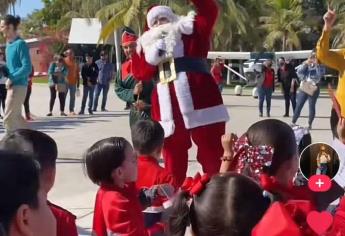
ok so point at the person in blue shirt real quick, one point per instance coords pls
(106, 72)
(19, 67)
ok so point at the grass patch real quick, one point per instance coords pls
(40, 80)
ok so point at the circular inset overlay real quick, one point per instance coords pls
(319, 159)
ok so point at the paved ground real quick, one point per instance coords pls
(74, 135)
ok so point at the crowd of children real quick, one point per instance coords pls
(136, 196)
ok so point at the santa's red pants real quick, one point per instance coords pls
(207, 139)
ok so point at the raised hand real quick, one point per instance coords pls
(227, 143)
(329, 19)
(138, 88)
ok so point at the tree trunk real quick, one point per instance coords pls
(285, 40)
(117, 49)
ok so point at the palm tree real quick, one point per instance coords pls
(131, 13)
(339, 34)
(283, 24)
(6, 4)
(231, 22)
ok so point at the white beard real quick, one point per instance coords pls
(171, 33)
(168, 32)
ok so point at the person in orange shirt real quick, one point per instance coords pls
(72, 78)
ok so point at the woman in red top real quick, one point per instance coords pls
(217, 73)
(266, 87)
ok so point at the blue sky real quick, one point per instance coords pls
(27, 6)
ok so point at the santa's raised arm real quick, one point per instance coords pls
(186, 100)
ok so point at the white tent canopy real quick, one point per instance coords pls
(86, 31)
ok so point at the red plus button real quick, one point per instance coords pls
(319, 183)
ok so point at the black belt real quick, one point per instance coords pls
(187, 64)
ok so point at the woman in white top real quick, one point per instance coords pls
(323, 159)
(3, 78)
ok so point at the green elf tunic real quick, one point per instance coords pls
(124, 87)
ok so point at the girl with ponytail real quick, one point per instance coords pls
(229, 204)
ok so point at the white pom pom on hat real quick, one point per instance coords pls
(160, 11)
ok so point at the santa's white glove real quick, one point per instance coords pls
(160, 45)
(186, 23)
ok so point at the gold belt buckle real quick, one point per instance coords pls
(167, 71)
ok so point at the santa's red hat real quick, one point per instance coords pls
(160, 11)
(128, 37)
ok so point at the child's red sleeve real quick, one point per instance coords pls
(122, 217)
(65, 221)
(339, 220)
(166, 178)
(141, 70)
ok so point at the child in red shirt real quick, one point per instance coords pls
(148, 140)
(112, 164)
(44, 150)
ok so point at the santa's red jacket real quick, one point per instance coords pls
(197, 101)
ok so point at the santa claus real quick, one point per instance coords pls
(186, 100)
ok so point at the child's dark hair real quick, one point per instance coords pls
(276, 134)
(19, 181)
(12, 20)
(103, 157)
(147, 136)
(334, 119)
(40, 145)
(230, 204)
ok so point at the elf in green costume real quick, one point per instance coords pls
(127, 88)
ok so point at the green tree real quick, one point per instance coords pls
(283, 23)
(232, 22)
(339, 33)
(6, 5)
(238, 25)
(132, 13)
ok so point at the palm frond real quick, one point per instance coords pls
(115, 22)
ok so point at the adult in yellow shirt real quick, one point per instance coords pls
(332, 59)
(72, 78)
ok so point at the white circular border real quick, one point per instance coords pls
(300, 157)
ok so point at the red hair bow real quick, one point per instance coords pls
(251, 160)
(194, 186)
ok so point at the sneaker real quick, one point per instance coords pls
(81, 113)
(90, 112)
(50, 114)
(104, 110)
(63, 114)
(286, 115)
